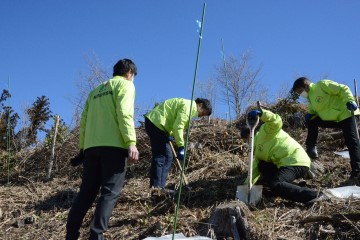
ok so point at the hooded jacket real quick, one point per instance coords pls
(328, 99)
(272, 144)
(172, 117)
(108, 116)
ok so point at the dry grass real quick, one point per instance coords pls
(34, 208)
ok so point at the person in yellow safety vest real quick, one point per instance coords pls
(330, 106)
(107, 142)
(278, 158)
(170, 119)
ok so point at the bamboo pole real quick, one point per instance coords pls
(51, 162)
(201, 25)
(8, 134)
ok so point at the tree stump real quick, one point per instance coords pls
(230, 220)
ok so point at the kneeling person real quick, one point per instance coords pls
(278, 158)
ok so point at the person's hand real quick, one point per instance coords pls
(78, 159)
(252, 115)
(181, 153)
(133, 153)
(351, 106)
(307, 118)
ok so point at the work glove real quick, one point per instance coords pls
(307, 118)
(171, 138)
(252, 115)
(78, 159)
(181, 153)
(351, 106)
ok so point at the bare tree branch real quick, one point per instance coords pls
(238, 79)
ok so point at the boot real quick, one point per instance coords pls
(322, 197)
(312, 151)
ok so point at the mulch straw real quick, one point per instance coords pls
(32, 207)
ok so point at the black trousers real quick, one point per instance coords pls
(162, 156)
(104, 170)
(280, 181)
(348, 128)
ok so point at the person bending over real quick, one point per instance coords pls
(278, 158)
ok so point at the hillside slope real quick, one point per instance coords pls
(32, 208)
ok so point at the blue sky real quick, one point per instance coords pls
(43, 44)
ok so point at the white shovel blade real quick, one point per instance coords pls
(242, 194)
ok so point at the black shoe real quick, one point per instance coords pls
(312, 152)
(169, 191)
(320, 198)
(157, 191)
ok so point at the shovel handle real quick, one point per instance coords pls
(252, 127)
(262, 105)
(178, 163)
(251, 158)
(253, 122)
(258, 103)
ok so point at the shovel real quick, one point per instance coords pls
(250, 194)
(185, 181)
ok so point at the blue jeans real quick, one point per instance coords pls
(280, 181)
(162, 155)
(104, 170)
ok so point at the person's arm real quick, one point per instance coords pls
(182, 117)
(341, 90)
(310, 109)
(125, 101)
(272, 122)
(83, 125)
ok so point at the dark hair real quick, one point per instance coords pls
(206, 104)
(299, 83)
(123, 66)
